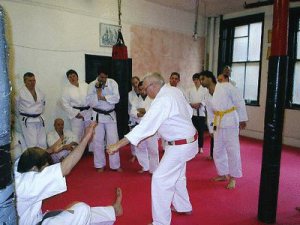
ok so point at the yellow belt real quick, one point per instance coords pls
(219, 115)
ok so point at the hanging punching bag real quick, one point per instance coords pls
(7, 201)
(120, 70)
(119, 51)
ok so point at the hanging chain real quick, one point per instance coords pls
(119, 11)
(196, 17)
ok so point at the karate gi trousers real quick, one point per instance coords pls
(83, 214)
(226, 153)
(147, 153)
(34, 134)
(169, 183)
(105, 134)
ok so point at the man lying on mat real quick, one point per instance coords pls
(36, 179)
(170, 116)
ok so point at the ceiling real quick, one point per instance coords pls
(207, 7)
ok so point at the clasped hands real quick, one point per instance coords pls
(112, 149)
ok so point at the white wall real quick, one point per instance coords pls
(255, 126)
(48, 37)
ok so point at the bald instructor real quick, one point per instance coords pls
(170, 116)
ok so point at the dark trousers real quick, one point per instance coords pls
(212, 147)
(199, 124)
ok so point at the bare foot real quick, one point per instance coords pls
(118, 203)
(200, 150)
(117, 170)
(141, 171)
(100, 170)
(209, 158)
(231, 184)
(133, 158)
(220, 178)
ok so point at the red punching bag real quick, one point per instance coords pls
(119, 50)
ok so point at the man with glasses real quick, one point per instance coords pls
(170, 116)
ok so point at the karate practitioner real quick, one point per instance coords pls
(195, 97)
(31, 105)
(170, 116)
(69, 140)
(174, 81)
(147, 150)
(225, 76)
(75, 105)
(103, 94)
(230, 116)
(36, 180)
(211, 83)
(133, 96)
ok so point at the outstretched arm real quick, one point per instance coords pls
(72, 159)
(56, 147)
(111, 149)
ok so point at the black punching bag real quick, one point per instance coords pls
(120, 71)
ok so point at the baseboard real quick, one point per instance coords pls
(259, 135)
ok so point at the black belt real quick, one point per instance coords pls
(104, 112)
(30, 115)
(131, 126)
(26, 116)
(50, 214)
(81, 108)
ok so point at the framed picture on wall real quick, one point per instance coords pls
(108, 34)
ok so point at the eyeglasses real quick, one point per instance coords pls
(146, 88)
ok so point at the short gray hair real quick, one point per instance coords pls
(154, 77)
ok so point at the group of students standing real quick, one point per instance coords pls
(35, 177)
(82, 103)
(156, 110)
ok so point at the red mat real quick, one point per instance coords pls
(212, 203)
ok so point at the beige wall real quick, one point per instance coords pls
(165, 52)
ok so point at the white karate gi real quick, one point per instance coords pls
(53, 136)
(170, 116)
(76, 97)
(147, 150)
(180, 88)
(33, 187)
(132, 97)
(106, 129)
(226, 138)
(17, 145)
(207, 102)
(33, 129)
(197, 96)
